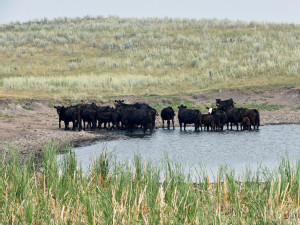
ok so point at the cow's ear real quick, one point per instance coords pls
(116, 101)
(122, 100)
(55, 107)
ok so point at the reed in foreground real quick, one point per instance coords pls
(114, 193)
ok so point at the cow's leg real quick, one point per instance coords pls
(163, 126)
(59, 123)
(74, 125)
(184, 124)
(168, 124)
(180, 124)
(173, 123)
(66, 125)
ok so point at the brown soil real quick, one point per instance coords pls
(32, 128)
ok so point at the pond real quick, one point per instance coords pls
(190, 149)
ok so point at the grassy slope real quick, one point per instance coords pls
(84, 58)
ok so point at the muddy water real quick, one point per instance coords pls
(236, 149)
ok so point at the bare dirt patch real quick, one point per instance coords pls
(30, 126)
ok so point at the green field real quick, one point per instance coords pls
(97, 57)
(49, 192)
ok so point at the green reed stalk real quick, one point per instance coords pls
(143, 193)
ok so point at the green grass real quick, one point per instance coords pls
(96, 57)
(114, 193)
(263, 106)
(297, 108)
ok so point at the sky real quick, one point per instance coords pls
(279, 11)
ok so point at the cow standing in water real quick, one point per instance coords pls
(167, 114)
(246, 124)
(188, 116)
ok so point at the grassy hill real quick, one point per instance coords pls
(97, 57)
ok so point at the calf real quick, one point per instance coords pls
(246, 124)
(167, 114)
(253, 116)
(208, 121)
(188, 116)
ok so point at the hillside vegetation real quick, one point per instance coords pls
(96, 57)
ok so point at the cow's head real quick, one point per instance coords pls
(118, 102)
(181, 107)
(170, 107)
(58, 109)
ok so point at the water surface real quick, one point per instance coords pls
(236, 149)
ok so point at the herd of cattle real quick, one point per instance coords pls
(132, 116)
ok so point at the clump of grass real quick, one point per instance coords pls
(60, 192)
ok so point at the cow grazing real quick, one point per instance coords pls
(188, 116)
(167, 114)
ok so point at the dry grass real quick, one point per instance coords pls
(96, 56)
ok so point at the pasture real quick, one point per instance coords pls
(96, 57)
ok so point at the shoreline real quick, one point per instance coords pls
(30, 130)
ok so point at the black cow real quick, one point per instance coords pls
(188, 116)
(208, 121)
(246, 124)
(113, 116)
(225, 104)
(122, 107)
(167, 114)
(58, 108)
(151, 111)
(234, 116)
(135, 117)
(69, 114)
(88, 113)
(219, 116)
(253, 116)
(100, 112)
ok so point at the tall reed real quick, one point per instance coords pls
(140, 192)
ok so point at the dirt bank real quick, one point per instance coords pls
(29, 127)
